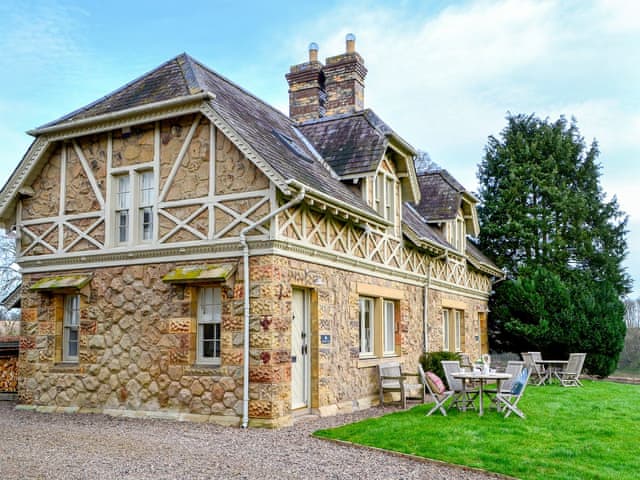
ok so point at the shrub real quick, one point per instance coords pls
(430, 361)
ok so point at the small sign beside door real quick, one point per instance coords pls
(325, 339)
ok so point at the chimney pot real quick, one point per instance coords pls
(313, 52)
(351, 43)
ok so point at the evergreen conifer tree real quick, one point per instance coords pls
(546, 221)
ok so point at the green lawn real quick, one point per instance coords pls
(569, 433)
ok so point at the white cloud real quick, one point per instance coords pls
(36, 35)
(446, 81)
(619, 16)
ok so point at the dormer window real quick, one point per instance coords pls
(456, 233)
(383, 198)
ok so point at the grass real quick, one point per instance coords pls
(569, 433)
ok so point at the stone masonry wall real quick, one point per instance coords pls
(134, 351)
(8, 375)
(137, 349)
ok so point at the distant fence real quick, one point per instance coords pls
(630, 356)
(9, 347)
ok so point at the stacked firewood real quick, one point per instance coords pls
(8, 375)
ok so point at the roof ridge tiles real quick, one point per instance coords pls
(185, 61)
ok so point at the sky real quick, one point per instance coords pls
(442, 74)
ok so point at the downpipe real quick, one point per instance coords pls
(245, 263)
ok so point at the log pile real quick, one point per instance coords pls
(8, 375)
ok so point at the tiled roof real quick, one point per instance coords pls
(421, 229)
(270, 133)
(440, 195)
(352, 143)
(479, 258)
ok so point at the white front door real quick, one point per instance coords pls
(300, 359)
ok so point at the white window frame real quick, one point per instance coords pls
(456, 233)
(209, 313)
(389, 198)
(452, 319)
(445, 330)
(71, 326)
(367, 335)
(389, 327)
(457, 321)
(122, 209)
(131, 204)
(146, 197)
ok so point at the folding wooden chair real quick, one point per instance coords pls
(463, 397)
(436, 389)
(570, 376)
(391, 378)
(537, 373)
(514, 368)
(510, 400)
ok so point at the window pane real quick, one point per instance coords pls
(457, 332)
(146, 217)
(366, 325)
(146, 189)
(123, 193)
(389, 198)
(71, 310)
(123, 226)
(389, 327)
(209, 319)
(210, 340)
(73, 342)
(379, 193)
(445, 330)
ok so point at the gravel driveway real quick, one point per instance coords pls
(74, 446)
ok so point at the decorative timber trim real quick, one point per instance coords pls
(210, 112)
(130, 114)
(15, 182)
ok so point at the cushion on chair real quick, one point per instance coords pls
(435, 383)
(518, 383)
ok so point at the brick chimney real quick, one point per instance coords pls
(344, 80)
(317, 90)
(306, 88)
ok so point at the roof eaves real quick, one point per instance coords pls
(17, 178)
(150, 107)
(422, 242)
(367, 216)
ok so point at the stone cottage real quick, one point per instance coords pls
(190, 252)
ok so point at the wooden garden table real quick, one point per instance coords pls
(482, 378)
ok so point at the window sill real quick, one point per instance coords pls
(67, 367)
(201, 369)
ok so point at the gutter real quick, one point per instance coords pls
(245, 254)
(123, 113)
(378, 220)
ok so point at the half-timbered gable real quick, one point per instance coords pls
(191, 252)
